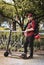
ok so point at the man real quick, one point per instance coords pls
(29, 36)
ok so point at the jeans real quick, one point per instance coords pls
(29, 41)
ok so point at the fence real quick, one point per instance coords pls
(16, 39)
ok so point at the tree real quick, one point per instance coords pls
(20, 8)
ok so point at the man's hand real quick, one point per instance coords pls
(25, 33)
(25, 30)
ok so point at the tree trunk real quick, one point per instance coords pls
(14, 25)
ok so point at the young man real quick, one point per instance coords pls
(29, 37)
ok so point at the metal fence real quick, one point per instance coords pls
(15, 39)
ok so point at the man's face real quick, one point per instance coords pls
(30, 18)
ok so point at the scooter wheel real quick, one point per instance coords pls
(6, 54)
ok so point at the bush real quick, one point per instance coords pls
(37, 44)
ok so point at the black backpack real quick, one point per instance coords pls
(36, 30)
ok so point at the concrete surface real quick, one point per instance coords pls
(37, 60)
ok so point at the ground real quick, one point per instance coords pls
(37, 60)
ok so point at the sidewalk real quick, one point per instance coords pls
(37, 60)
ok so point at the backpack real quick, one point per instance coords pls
(36, 30)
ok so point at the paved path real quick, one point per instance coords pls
(37, 60)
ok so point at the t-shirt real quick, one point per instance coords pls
(31, 25)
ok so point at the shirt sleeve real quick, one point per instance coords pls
(33, 24)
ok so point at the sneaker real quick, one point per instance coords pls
(30, 57)
(24, 56)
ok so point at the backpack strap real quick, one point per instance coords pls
(26, 25)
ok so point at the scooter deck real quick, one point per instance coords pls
(16, 56)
